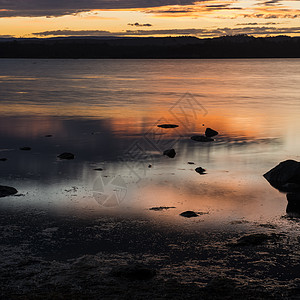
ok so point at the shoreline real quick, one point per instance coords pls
(45, 255)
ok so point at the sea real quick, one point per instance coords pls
(107, 112)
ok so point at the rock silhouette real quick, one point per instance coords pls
(210, 132)
(285, 176)
(170, 153)
(7, 191)
(189, 214)
(66, 155)
(200, 170)
(25, 148)
(167, 126)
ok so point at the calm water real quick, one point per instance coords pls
(106, 112)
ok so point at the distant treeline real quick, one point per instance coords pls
(240, 46)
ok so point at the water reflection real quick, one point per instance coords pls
(150, 178)
(107, 112)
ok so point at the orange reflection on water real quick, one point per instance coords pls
(124, 121)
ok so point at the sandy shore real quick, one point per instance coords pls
(50, 256)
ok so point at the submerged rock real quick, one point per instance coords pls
(66, 155)
(222, 286)
(48, 135)
(210, 132)
(134, 272)
(191, 163)
(254, 239)
(285, 176)
(25, 148)
(7, 191)
(200, 170)
(3, 159)
(170, 153)
(167, 126)
(98, 169)
(189, 214)
(201, 138)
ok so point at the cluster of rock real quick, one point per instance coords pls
(208, 137)
(9, 191)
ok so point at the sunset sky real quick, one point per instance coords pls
(206, 18)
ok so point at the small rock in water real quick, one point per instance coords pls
(3, 159)
(200, 170)
(25, 148)
(189, 214)
(210, 132)
(135, 272)
(191, 163)
(158, 208)
(201, 138)
(66, 155)
(48, 135)
(98, 169)
(167, 126)
(7, 191)
(149, 166)
(170, 153)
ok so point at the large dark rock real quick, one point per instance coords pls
(285, 176)
(210, 132)
(170, 153)
(201, 138)
(7, 191)
(66, 155)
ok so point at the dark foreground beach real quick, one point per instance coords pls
(45, 255)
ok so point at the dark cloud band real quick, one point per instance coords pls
(55, 8)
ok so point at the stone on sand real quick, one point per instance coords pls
(7, 191)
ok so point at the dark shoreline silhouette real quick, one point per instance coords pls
(238, 46)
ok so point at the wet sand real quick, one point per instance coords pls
(46, 255)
